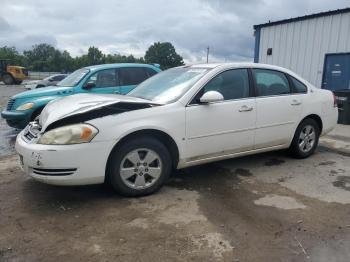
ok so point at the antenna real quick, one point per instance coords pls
(207, 54)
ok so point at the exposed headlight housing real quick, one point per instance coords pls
(25, 106)
(67, 135)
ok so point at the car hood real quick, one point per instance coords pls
(45, 91)
(83, 107)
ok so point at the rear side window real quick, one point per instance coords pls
(58, 78)
(150, 72)
(132, 75)
(299, 87)
(270, 82)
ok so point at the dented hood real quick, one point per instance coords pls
(82, 107)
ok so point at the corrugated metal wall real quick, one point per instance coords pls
(301, 46)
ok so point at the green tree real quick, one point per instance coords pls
(163, 54)
(42, 57)
(7, 52)
(94, 56)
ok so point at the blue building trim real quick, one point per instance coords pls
(300, 18)
(257, 45)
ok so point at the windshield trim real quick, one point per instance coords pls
(205, 72)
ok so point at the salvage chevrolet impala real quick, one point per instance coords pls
(181, 117)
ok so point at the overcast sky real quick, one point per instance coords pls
(129, 27)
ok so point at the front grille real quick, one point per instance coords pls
(54, 172)
(10, 104)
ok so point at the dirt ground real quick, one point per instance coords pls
(266, 207)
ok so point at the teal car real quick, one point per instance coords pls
(107, 79)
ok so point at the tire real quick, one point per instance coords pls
(39, 86)
(141, 177)
(305, 139)
(8, 79)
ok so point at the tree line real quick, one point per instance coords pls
(46, 58)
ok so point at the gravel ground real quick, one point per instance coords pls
(7, 134)
(266, 207)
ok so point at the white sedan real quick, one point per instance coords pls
(181, 117)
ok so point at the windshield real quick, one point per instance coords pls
(74, 78)
(168, 86)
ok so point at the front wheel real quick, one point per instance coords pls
(139, 167)
(305, 139)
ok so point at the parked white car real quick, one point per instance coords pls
(181, 117)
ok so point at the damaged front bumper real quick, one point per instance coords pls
(79, 164)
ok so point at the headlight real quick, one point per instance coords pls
(25, 106)
(67, 135)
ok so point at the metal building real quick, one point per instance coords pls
(316, 46)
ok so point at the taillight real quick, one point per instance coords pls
(335, 101)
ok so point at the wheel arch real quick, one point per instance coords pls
(164, 137)
(315, 117)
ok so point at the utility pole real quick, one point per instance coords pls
(207, 54)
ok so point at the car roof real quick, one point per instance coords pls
(239, 65)
(118, 65)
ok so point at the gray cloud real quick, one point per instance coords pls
(131, 26)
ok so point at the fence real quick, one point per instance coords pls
(40, 75)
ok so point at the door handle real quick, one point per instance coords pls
(295, 103)
(245, 109)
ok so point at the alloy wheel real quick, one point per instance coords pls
(307, 138)
(140, 168)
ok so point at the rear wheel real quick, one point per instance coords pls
(305, 139)
(139, 167)
(8, 79)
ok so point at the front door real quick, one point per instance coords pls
(105, 82)
(336, 75)
(224, 127)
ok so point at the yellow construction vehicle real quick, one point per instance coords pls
(10, 74)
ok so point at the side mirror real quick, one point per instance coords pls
(211, 96)
(89, 85)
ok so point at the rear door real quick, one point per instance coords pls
(278, 108)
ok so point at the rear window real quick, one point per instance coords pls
(270, 82)
(132, 75)
(299, 87)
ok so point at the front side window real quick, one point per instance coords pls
(232, 84)
(132, 75)
(270, 82)
(299, 87)
(104, 78)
